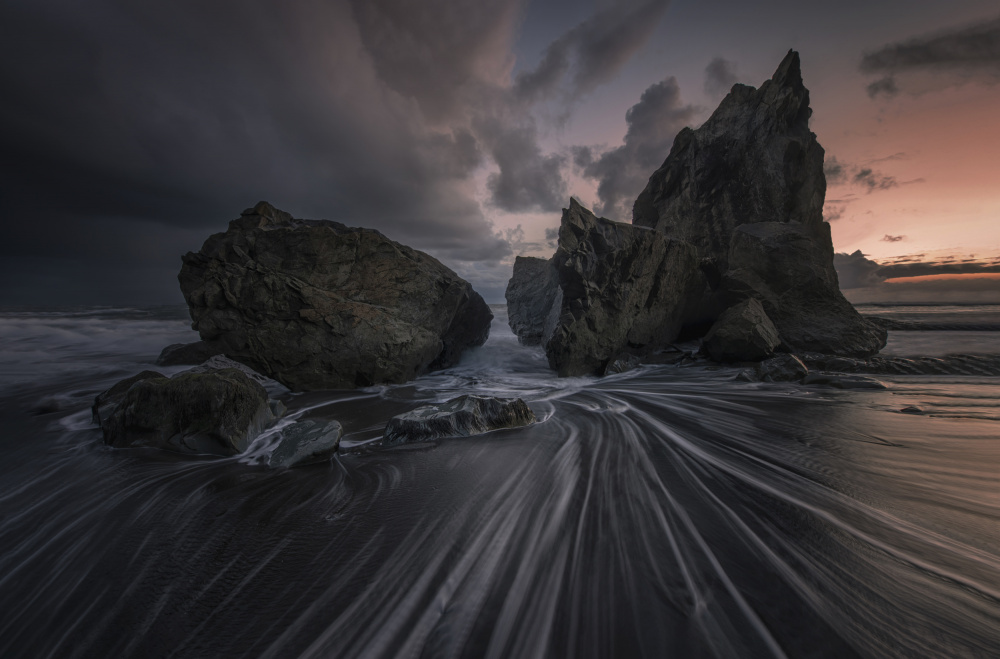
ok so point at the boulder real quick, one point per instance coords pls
(106, 401)
(305, 442)
(782, 368)
(624, 290)
(315, 304)
(742, 333)
(746, 189)
(531, 294)
(459, 417)
(217, 412)
(179, 354)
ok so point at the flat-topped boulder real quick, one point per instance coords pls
(315, 304)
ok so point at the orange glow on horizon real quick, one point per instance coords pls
(946, 277)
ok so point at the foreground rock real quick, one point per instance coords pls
(218, 412)
(182, 354)
(306, 442)
(742, 333)
(622, 290)
(746, 189)
(531, 297)
(315, 304)
(782, 368)
(459, 417)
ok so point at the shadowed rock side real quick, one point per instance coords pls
(742, 333)
(531, 294)
(315, 304)
(623, 290)
(747, 190)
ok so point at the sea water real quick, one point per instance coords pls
(665, 511)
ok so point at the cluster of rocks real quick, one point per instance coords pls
(220, 407)
(727, 237)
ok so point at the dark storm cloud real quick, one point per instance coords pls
(622, 172)
(920, 268)
(157, 123)
(956, 56)
(857, 271)
(864, 176)
(835, 171)
(594, 51)
(720, 76)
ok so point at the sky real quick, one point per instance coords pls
(129, 132)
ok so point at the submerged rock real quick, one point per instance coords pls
(459, 417)
(746, 189)
(315, 304)
(531, 294)
(742, 333)
(217, 412)
(305, 442)
(179, 354)
(782, 368)
(623, 290)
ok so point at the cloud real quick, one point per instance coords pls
(835, 171)
(954, 56)
(892, 239)
(872, 180)
(120, 117)
(622, 172)
(856, 271)
(720, 76)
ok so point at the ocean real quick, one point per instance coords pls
(667, 511)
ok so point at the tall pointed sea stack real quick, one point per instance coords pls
(747, 190)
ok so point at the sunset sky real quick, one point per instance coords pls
(131, 131)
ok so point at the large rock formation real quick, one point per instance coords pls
(746, 189)
(315, 304)
(621, 290)
(217, 412)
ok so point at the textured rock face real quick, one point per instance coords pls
(531, 294)
(747, 190)
(187, 353)
(314, 304)
(791, 273)
(305, 442)
(782, 368)
(742, 333)
(459, 417)
(754, 160)
(217, 413)
(625, 290)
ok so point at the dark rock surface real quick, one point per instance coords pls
(754, 160)
(742, 333)
(747, 190)
(217, 413)
(625, 290)
(980, 365)
(782, 368)
(306, 442)
(459, 417)
(106, 401)
(531, 294)
(791, 272)
(315, 304)
(179, 354)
